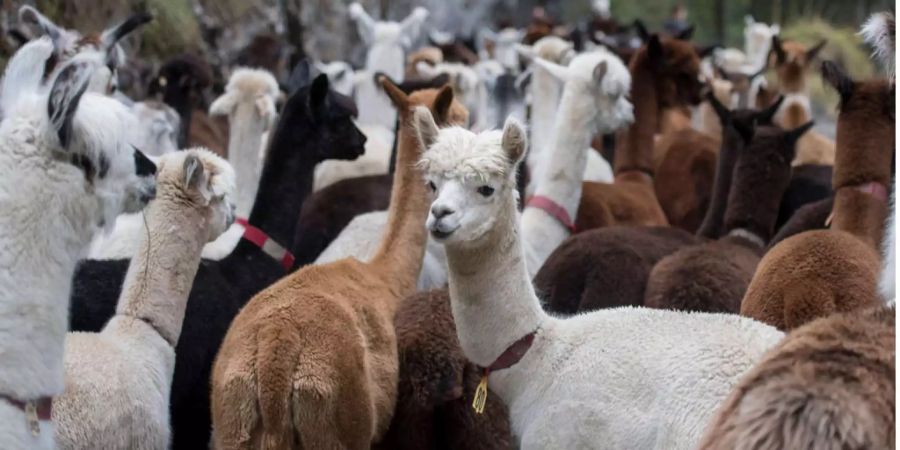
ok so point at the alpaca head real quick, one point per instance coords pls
(158, 130)
(758, 38)
(250, 93)
(600, 77)
(743, 121)
(340, 75)
(181, 80)
(466, 83)
(387, 41)
(472, 177)
(865, 128)
(791, 61)
(205, 180)
(675, 66)
(445, 109)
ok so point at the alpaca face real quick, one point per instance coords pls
(464, 209)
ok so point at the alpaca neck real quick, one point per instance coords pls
(182, 106)
(732, 143)
(243, 154)
(635, 146)
(403, 244)
(860, 214)
(493, 302)
(545, 96)
(161, 273)
(378, 110)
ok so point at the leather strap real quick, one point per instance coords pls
(513, 354)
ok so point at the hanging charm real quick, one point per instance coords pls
(481, 394)
(31, 417)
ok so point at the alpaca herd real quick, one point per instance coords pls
(549, 237)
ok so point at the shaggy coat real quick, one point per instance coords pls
(315, 124)
(118, 381)
(311, 361)
(828, 385)
(817, 273)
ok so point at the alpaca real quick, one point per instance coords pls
(136, 347)
(810, 183)
(712, 277)
(315, 123)
(545, 368)
(67, 171)
(436, 383)
(828, 385)
(329, 379)
(340, 74)
(504, 96)
(158, 133)
(468, 85)
(811, 216)
(797, 279)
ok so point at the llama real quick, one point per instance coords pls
(545, 368)
(820, 272)
(136, 348)
(180, 83)
(713, 276)
(329, 376)
(315, 124)
(67, 171)
(828, 385)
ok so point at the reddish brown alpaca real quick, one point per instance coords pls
(821, 272)
(311, 362)
(664, 75)
(829, 385)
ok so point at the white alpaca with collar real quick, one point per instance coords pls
(616, 378)
(51, 210)
(118, 381)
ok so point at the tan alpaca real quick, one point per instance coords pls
(821, 272)
(311, 362)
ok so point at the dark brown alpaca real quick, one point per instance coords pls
(817, 273)
(712, 277)
(811, 216)
(664, 75)
(437, 384)
(829, 385)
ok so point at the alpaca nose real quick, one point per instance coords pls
(439, 211)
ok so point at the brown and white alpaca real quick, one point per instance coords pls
(817, 273)
(828, 385)
(118, 381)
(313, 358)
(792, 61)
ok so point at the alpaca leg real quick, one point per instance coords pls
(326, 420)
(235, 414)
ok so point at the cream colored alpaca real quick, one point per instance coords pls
(118, 380)
(616, 378)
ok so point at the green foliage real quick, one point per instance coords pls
(173, 31)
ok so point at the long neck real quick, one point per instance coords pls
(161, 273)
(859, 214)
(403, 244)
(545, 96)
(493, 301)
(728, 154)
(243, 154)
(179, 102)
(635, 151)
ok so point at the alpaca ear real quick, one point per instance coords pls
(397, 96)
(559, 72)
(723, 112)
(794, 135)
(813, 52)
(685, 34)
(318, 95)
(765, 116)
(425, 126)
(780, 55)
(143, 166)
(32, 16)
(514, 140)
(223, 105)
(412, 24)
(600, 71)
(65, 95)
(193, 172)
(655, 52)
(839, 80)
(364, 23)
(641, 30)
(299, 77)
(442, 105)
(113, 35)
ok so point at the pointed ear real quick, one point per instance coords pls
(397, 96)
(29, 15)
(839, 80)
(655, 53)
(193, 172)
(318, 95)
(143, 166)
(559, 72)
(600, 71)
(113, 35)
(413, 23)
(793, 135)
(685, 34)
(364, 23)
(65, 95)
(765, 116)
(813, 52)
(780, 55)
(442, 105)
(425, 126)
(641, 30)
(514, 141)
(223, 105)
(299, 77)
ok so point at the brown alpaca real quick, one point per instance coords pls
(712, 277)
(664, 75)
(437, 384)
(811, 216)
(311, 362)
(829, 385)
(817, 273)
(792, 61)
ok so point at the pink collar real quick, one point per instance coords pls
(266, 244)
(553, 209)
(874, 189)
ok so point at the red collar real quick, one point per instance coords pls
(266, 244)
(553, 209)
(874, 189)
(35, 411)
(512, 355)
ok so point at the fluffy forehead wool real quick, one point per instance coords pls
(553, 49)
(617, 79)
(460, 153)
(221, 174)
(252, 83)
(879, 32)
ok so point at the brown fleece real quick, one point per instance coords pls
(311, 362)
(664, 75)
(209, 132)
(817, 273)
(828, 385)
(811, 216)
(605, 268)
(684, 177)
(437, 384)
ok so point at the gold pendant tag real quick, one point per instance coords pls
(31, 417)
(481, 394)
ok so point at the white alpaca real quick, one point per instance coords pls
(158, 130)
(504, 47)
(616, 378)
(66, 170)
(118, 381)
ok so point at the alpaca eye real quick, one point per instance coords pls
(485, 191)
(432, 186)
